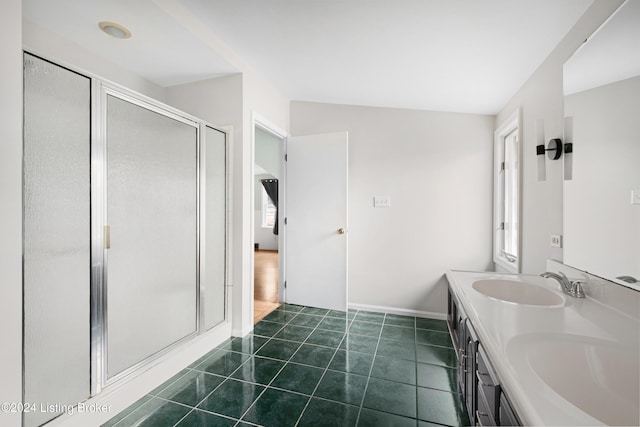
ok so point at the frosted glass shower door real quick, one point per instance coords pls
(57, 250)
(151, 213)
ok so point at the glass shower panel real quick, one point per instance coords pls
(215, 184)
(151, 202)
(56, 203)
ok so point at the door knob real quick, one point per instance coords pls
(341, 230)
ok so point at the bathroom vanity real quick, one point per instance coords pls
(529, 354)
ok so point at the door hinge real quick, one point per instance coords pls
(286, 157)
(285, 284)
(285, 220)
(501, 226)
(501, 166)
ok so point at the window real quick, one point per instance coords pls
(268, 211)
(506, 211)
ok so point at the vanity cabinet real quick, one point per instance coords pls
(485, 401)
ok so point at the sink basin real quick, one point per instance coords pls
(599, 377)
(518, 292)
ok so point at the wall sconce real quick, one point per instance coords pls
(554, 148)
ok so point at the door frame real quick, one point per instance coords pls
(264, 124)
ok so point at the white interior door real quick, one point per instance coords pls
(316, 230)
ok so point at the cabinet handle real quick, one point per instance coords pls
(482, 383)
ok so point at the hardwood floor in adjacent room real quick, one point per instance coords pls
(265, 290)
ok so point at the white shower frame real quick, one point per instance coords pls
(99, 280)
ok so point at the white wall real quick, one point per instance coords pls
(42, 42)
(267, 154)
(219, 101)
(437, 169)
(541, 97)
(11, 208)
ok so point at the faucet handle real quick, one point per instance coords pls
(576, 288)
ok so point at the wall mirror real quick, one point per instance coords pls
(602, 117)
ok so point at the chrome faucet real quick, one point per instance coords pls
(572, 288)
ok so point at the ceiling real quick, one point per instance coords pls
(445, 55)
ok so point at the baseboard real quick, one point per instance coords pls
(242, 332)
(397, 310)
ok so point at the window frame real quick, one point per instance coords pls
(506, 261)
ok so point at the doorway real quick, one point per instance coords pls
(268, 179)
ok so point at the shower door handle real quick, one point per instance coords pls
(107, 237)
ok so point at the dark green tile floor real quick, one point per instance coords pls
(306, 366)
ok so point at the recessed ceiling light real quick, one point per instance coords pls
(114, 30)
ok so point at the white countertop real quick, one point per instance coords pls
(555, 361)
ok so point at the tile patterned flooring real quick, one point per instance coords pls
(305, 366)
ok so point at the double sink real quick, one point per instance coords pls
(567, 358)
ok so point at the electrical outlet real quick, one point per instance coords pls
(556, 241)
(635, 197)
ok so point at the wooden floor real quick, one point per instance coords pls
(265, 290)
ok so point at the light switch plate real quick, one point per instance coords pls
(635, 197)
(381, 201)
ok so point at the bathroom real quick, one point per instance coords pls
(436, 167)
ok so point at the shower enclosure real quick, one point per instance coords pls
(125, 224)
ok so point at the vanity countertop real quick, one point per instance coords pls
(574, 361)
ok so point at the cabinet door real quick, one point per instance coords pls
(507, 416)
(488, 396)
(451, 313)
(460, 346)
(470, 382)
(455, 319)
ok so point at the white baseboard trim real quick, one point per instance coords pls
(397, 310)
(119, 396)
(242, 332)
